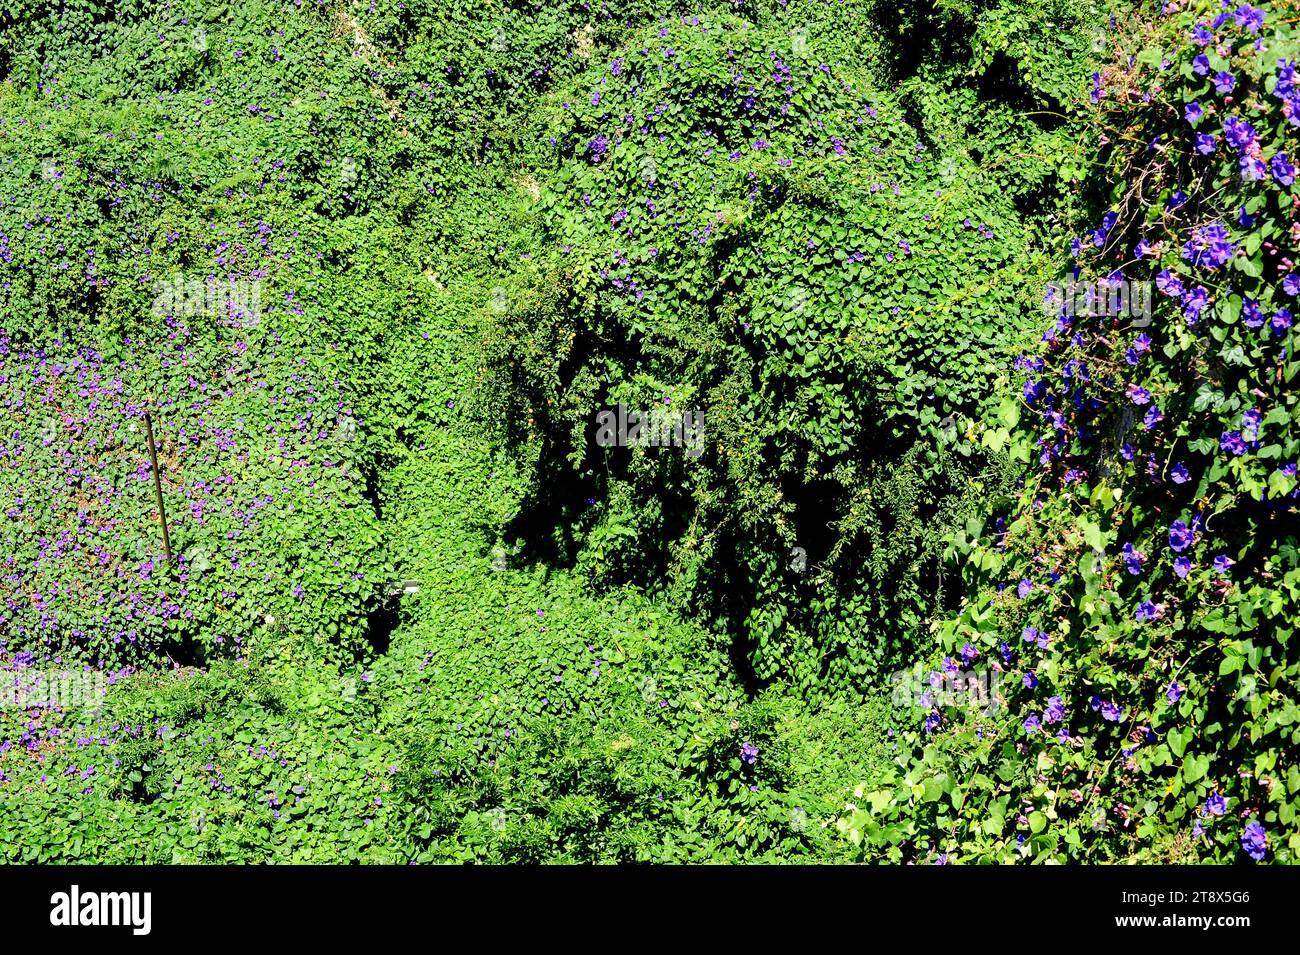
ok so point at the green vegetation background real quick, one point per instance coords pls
(472, 226)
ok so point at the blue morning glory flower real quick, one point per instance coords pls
(1254, 839)
(1251, 314)
(1231, 441)
(1283, 171)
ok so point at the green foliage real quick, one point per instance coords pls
(1156, 535)
(432, 241)
(731, 221)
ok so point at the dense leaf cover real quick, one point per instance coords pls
(308, 315)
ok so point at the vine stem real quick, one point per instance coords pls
(157, 484)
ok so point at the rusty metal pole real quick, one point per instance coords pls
(157, 485)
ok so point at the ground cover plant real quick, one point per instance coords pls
(715, 431)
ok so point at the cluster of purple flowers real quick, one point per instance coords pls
(1209, 246)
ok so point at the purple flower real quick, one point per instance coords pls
(1174, 691)
(1231, 441)
(1205, 143)
(1201, 65)
(1194, 302)
(1169, 284)
(1251, 314)
(1032, 724)
(1178, 473)
(1111, 712)
(1147, 611)
(1224, 82)
(1254, 839)
(1030, 680)
(1209, 246)
(1132, 560)
(1249, 18)
(1152, 418)
(748, 753)
(1283, 171)
(1250, 423)
(1024, 588)
(1291, 285)
(1238, 132)
(1285, 79)
(1222, 564)
(1216, 805)
(1182, 565)
(1280, 321)
(1055, 711)
(1180, 537)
